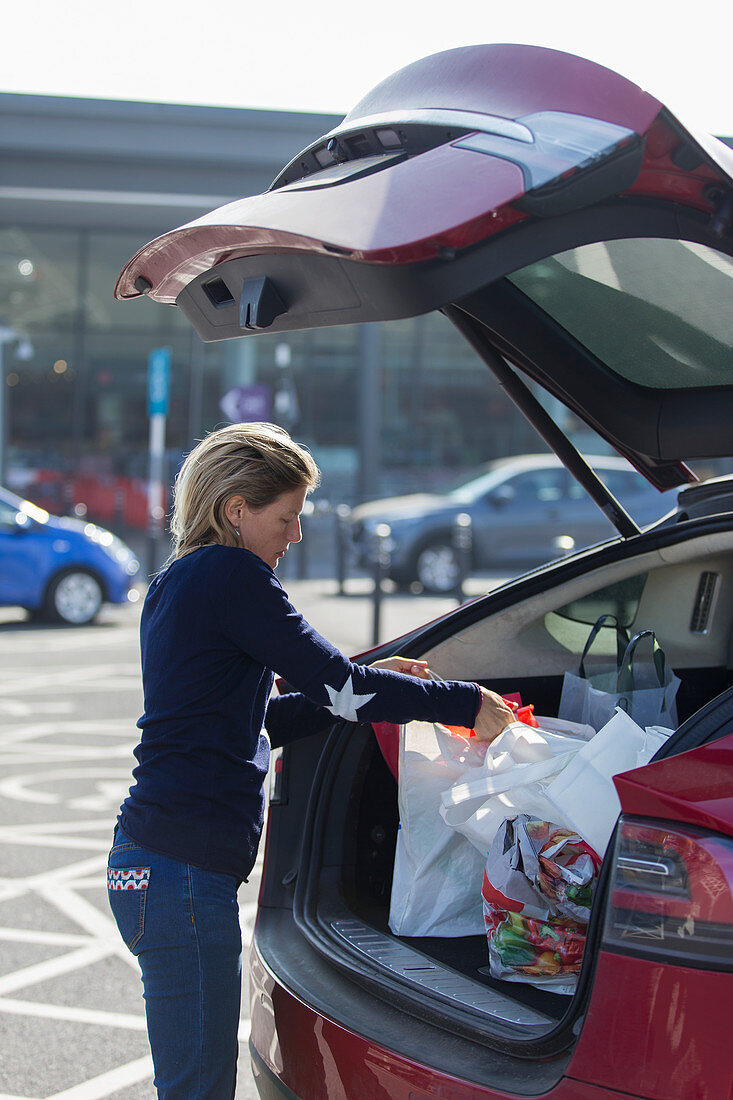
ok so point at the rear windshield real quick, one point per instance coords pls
(657, 312)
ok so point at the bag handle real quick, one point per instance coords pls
(622, 642)
(626, 670)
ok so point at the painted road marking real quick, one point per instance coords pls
(50, 763)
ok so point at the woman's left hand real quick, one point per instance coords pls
(405, 665)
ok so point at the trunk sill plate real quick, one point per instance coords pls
(420, 972)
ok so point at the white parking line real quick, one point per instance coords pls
(52, 939)
(52, 968)
(49, 762)
(19, 787)
(99, 1017)
(81, 679)
(108, 1083)
(14, 887)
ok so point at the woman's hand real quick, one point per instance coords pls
(493, 716)
(405, 665)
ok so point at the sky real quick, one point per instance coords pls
(324, 55)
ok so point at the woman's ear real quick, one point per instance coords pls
(234, 508)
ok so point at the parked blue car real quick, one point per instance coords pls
(60, 568)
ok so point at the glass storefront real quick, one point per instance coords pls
(75, 384)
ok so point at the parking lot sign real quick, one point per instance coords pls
(159, 381)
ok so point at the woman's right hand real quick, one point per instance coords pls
(494, 716)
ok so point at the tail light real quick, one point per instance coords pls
(671, 895)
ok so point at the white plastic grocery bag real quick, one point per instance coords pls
(583, 796)
(436, 888)
(511, 779)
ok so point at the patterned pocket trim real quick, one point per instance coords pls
(128, 878)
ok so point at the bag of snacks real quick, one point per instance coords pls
(537, 894)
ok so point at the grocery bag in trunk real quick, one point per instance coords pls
(582, 796)
(646, 690)
(561, 772)
(512, 778)
(436, 888)
(537, 892)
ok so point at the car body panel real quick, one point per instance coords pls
(640, 1039)
(322, 1058)
(375, 216)
(399, 234)
(694, 787)
(444, 197)
(510, 81)
(38, 548)
(24, 558)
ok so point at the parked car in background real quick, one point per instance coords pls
(522, 511)
(580, 237)
(60, 568)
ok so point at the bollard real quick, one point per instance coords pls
(301, 560)
(341, 516)
(119, 508)
(381, 556)
(463, 543)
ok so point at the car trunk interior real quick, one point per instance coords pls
(683, 590)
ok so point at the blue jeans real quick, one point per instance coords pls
(182, 923)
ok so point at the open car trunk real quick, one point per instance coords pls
(676, 581)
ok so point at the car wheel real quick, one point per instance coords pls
(74, 597)
(437, 567)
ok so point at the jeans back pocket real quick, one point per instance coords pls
(127, 889)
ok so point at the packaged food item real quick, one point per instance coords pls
(537, 894)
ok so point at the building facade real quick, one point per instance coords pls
(84, 184)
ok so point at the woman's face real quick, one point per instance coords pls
(269, 531)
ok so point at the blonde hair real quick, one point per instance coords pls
(257, 461)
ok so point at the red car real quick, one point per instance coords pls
(579, 235)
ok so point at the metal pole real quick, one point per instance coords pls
(156, 505)
(196, 387)
(463, 542)
(7, 336)
(369, 411)
(341, 515)
(302, 556)
(381, 568)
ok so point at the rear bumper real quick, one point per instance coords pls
(302, 1053)
(268, 1085)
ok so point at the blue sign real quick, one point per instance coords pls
(159, 381)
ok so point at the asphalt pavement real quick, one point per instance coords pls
(71, 1017)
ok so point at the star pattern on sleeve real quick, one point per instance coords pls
(345, 703)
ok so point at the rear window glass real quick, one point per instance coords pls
(620, 599)
(657, 312)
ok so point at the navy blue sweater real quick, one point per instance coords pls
(215, 627)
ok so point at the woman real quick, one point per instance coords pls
(215, 627)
